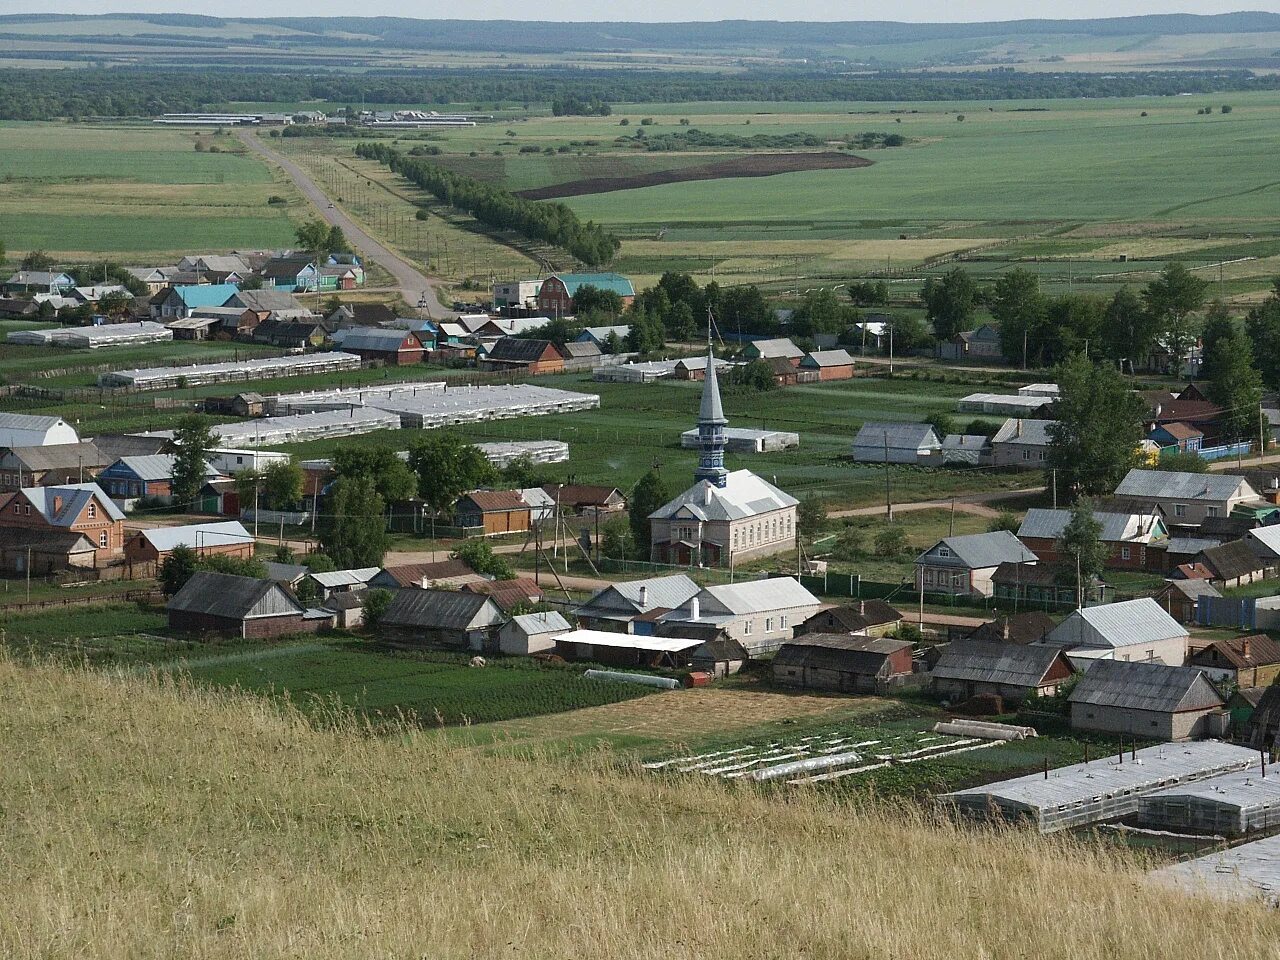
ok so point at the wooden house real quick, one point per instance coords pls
(494, 511)
(231, 606)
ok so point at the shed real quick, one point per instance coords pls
(510, 594)
(895, 442)
(829, 364)
(445, 617)
(220, 603)
(848, 664)
(1234, 564)
(975, 668)
(624, 649)
(868, 617)
(720, 656)
(494, 512)
(532, 356)
(1148, 700)
(531, 633)
(777, 347)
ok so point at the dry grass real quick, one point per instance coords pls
(141, 821)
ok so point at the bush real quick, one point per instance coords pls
(848, 545)
(276, 200)
(890, 542)
(1005, 521)
(479, 556)
(376, 602)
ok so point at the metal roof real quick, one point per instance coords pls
(545, 622)
(1171, 485)
(374, 339)
(346, 578)
(54, 456)
(743, 495)
(665, 593)
(628, 641)
(977, 551)
(601, 281)
(226, 595)
(899, 435)
(710, 409)
(1145, 770)
(1145, 685)
(1117, 625)
(828, 651)
(75, 496)
(982, 661)
(1249, 871)
(1193, 545)
(749, 596)
(441, 609)
(827, 358)
(776, 347)
(1034, 433)
(1045, 524)
(196, 535)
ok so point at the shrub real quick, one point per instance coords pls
(890, 542)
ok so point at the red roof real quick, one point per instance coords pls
(508, 593)
(582, 495)
(1181, 431)
(497, 501)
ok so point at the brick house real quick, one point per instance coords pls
(76, 508)
(154, 545)
(1252, 661)
(1135, 541)
(557, 293)
(829, 364)
(227, 605)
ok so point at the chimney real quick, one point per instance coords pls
(644, 596)
(57, 503)
(862, 607)
(1005, 629)
(1244, 647)
(1018, 429)
(695, 609)
(706, 493)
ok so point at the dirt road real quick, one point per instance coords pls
(975, 503)
(415, 286)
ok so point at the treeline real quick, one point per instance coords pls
(578, 107)
(498, 208)
(121, 91)
(693, 138)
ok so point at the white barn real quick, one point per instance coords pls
(24, 430)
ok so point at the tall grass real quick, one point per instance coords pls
(144, 818)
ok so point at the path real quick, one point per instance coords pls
(975, 503)
(414, 285)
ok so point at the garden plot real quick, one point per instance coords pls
(822, 757)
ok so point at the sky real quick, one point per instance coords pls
(663, 10)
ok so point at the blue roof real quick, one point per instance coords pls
(601, 281)
(206, 294)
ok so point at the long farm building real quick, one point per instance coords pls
(199, 374)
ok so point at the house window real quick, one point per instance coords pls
(1213, 511)
(944, 552)
(768, 624)
(17, 508)
(102, 539)
(1151, 654)
(1124, 553)
(1026, 454)
(782, 622)
(956, 580)
(746, 627)
(928, 576)
(27, 509)
(93, 510)
(1179, 509)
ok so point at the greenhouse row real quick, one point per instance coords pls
(310, 426)
(501, 454)
(1230, 805)
(195, 375)
(311, 401)
(91, 338)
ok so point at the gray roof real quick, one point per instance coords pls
(827, 358)
(1165, 484)
(977, 551)
(534, 623)
(828, 651)
(1145, 685)
(226, 595)
(743, 495)
(665, 593)
(58, 455)
(711, 410)
(267, 301)
(346, 578)
(441, 609)
(196, 535)
(746, 597)
(285, 572)
(75, 496)
(1249, 871)
(1194, 588)
(777, 347)
(1117, 625)
(1033, 433)
(1193, 545)
(964, 441)
(373, 339)
(983, 661)
(900, 435)
(1046, 524)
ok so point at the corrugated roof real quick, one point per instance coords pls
(1190, 546)
(749, 596)
(346, 578)
(1018, 628)
(268, 301)
(497, 500)
(508, 594)
(1145, 685)
(1034, 433)
(1171, 485)
(601, 281)
(982, 661)
(743, 495)
(1117, 625)
(826, 651)
(1045, 524)
(1193, 588)
(196, 535)
(628, 641)
(827, 358)
(226, 595)
(976, 551)
(545, 622)
(776, 347)
(519, 350)
(440, 610)
(57, 456)
(1231, 560)
(665, 593)
(899, 435)
(205, 294)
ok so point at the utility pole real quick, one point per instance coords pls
(888, 503)
(1262, 433)
(1054, 472)
(1024, 348)
(951, 530)
(891, 326)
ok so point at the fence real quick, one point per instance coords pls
(1226, 450)
(1239, 613)
(127, 596)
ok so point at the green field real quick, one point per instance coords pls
(133, 192)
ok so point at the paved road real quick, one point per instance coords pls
(414, 285)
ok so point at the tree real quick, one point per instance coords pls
(235, 566)
(680, 323)
(356, 532)
(177, 568)
(589, 298)
(848, 545)
(1234, 382)
(615, 538)
(191, 443)
(647, 333)
(1181, 461)
(1082, 554)
(811, 517)
(942, 422)
(1019, 307)
(890, 541)
(335, 241)
(282, 483)
(869, 293)
(447, 466)
(1170, 299)
(949, 301)
(1263, 327)
(754, 375)
(1095, 439)
(522, 473)
(376, 602)
(313, 236)
(821, 312)
(479, 556)
(613, 343)
(392, 477)
(1129, 330)
(909, 333)
(649, 494)
(1005, 520)
(37, 260)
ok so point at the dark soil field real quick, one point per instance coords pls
(756, 165)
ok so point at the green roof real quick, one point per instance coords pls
(601, 281)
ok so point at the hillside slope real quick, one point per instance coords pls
(149, 821)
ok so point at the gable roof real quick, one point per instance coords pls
(1230, 560)
(1018, 628)
(660, 593)
(982, 661)
(1024, 430)
(268, 301)
(833, 651)
(345, 578)
(1190, 588)
(375, 339)
(1261, 651)
(601, 281)
(74, 496)
(231, 597)
(440, 609)
(520, 350)
(286, 268)
(203, 294)
(496, 500)
(977, 551)
(583, 494)
(1145, 685)
(775, 347)
(1046, 524)
(580, 348)
(867, 613)
(39, 539)
(415, 574)
(1179, 431)
(749, 596)
(1117, 625)
(1174, 485)
(827, 358)
(507, 594)
(547, 621)
(56, 456)
(899, 435)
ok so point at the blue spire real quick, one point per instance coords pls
(711, 424)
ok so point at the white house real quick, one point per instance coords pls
(1021, 443)
(1187, 498)
(896, 443)
(532, 633)
(1133, 630)
(760, 614)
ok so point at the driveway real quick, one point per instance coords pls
(414, 285)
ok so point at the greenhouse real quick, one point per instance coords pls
(112, 335)
(501, 454)
(430, 405)
(1244, 872)
(308, 426)
(746, 440)
(231, 371)
(32, 338)
(1230, 805)
(1104, 789)
(313, 401)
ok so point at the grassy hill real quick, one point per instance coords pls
(142, 819)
